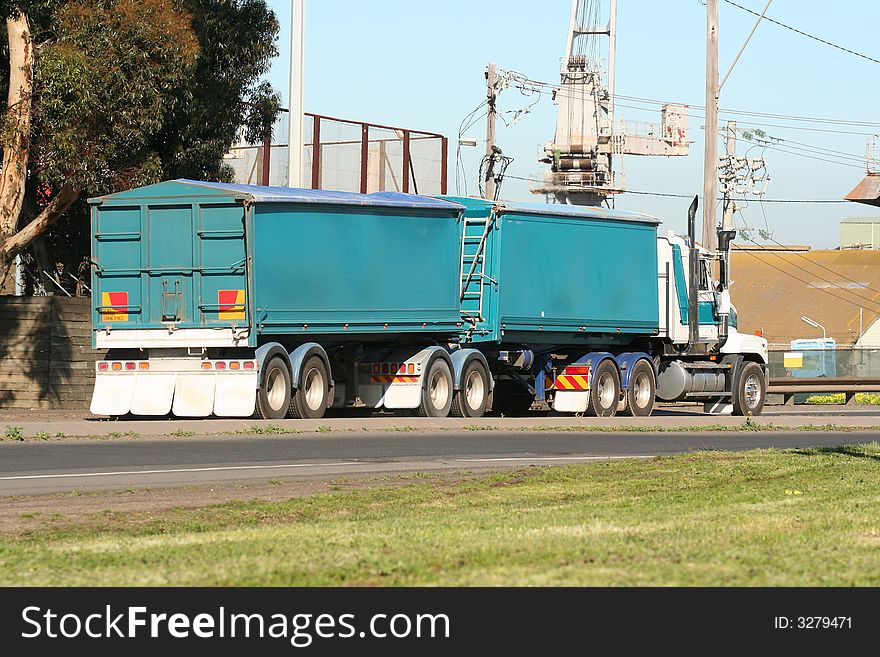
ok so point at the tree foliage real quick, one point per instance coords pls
(237, 38)
(105, 86)
(129, 92)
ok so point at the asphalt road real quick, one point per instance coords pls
(36, 468)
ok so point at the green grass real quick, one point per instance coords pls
(269, 429)
(840, 398)
(797, 517)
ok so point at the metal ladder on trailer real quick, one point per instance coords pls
(474, 233)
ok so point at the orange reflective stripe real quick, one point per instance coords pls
(394, 379)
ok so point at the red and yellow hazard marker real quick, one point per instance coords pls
(572, 382)
(114, 306)
(231, 304)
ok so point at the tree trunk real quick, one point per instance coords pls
(15, 150)
(14, 245)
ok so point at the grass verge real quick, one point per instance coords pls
(17, 433)
(767, 517)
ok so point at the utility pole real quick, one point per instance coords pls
(729, 178)
(710, 156)
(296, 138)
(612, 59)
(491, 96)
(710, 161)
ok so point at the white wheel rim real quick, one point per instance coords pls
(474, 390)
(752, 390)
(605, 390)
(642, 389)
(438, 389)
(314, 389)
(275, 392)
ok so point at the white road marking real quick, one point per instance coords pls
(179, 470)
(553, 458)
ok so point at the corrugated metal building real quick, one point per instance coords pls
(775, 286)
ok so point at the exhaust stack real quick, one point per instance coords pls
(693, 284)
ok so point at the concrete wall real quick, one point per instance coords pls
(46, 355)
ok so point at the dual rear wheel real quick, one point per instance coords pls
(605, 393)
(439, 397)
(276, 399)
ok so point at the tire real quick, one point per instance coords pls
(641, 390)
(472, 399)
(604, 390)
(273, 397)
(510, 400)
(310, 399)
(437, 390)
(748, 398)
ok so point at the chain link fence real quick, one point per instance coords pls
(832, 363)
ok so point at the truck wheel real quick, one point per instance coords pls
(273, 397)
(640, 390)
(309, 400)
(605, 390)
(748, 398)
(436, 390)
(473, 396)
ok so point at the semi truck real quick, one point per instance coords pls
(237, 300)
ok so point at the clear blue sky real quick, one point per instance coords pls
(420, 65)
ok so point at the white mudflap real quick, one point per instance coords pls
(403, 395)
(152, 394)
(571, 401)
(235, 395)
(113, 393)
(194, 395)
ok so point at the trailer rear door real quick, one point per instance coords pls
(170, 264)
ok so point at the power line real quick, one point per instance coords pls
(470, 120)
(549, 88)
(762, 125)
(798, 151)
(802, 33)
(674, 195)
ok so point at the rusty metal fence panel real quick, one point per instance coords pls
(351, 156)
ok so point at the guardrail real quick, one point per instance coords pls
(848, 385)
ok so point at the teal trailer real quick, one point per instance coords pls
(189, 276)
